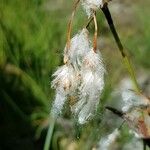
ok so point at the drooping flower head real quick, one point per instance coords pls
(64, 83)
(67, 77)
(80, 45)
(92, 83)
(92, 5)
(81, 77)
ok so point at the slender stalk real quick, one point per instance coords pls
(95, 34)
(88, 23)
(115, 111)
(49, 134)
(70, 24)
(126, 60)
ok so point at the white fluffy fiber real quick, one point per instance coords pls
(64, 83)
(91, 5)
(80, 45)
(132, 99)
(58, 103)
(82, 76)
(92, 83)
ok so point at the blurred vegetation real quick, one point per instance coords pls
(32, 38)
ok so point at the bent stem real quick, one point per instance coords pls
(49, 134)
(70, 24)
(95, 34)
(125, 58)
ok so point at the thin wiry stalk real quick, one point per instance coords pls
(49, 134)
(88, 23)
(70, 24)
(115, 111)
(95, 34)
(125, 58)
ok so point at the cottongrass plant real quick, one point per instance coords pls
(64, 83)
(82, 77)
(91, 86)
(79, 47)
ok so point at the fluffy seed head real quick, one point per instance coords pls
(92, 83)
(91, 5)
(65, 82)
(80, 45)
(64, 79)
(132, 99)
(137, 108)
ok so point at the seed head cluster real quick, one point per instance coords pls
(81, 77)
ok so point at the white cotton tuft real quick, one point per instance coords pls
(107, 142)
(65, 82)
(82, 77)
(138, 120)
(92, 5)
(58, 103)
(65, 79)
(132, 99)
(87, 111)
(80, 45)
(92, 84)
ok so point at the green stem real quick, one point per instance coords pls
(131, 72)
(125, 58)
(49, 134)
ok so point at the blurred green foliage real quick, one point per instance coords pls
(32, 38)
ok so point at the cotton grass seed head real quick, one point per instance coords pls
(139, 122)
(64, 83)
(92, 73)
(91, 86)
(136, 113)
(82, 77)
(80, 45)
(132, 99)
(64, 79)
(91, 5)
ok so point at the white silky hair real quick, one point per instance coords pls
(132, 99)
(91, 5)
(80, 45)
(92, 84)
(107, 142)
(64, 83)
(58, 103)
(82, 76)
